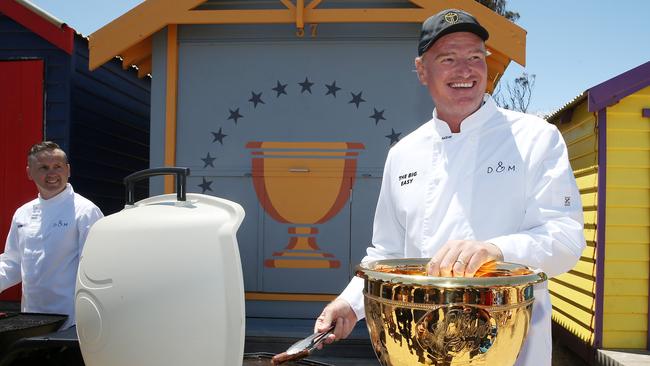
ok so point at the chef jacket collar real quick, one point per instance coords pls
(473, 121)
(58, 198)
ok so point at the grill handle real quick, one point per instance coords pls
(180, 177)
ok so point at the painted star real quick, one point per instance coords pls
(256, 99)
(378, 116)
(356, 99)
(234, 115)
(208, 160)
(394, 136)
(280, 89)
(306, 86)
(205, 186)
(332, 89)
(218, 136)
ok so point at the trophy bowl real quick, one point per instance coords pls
(415, 319)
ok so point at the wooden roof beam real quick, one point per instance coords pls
(313, 4)
(288, 4)
(506, 36)
(137, 53)
(300, 13)
(422, 3)
(141, 22)
(133, 27)
(497, 65)
(144, 67)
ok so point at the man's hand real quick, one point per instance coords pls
(338, 311)
(462, 258)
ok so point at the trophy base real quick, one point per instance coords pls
(302, 260)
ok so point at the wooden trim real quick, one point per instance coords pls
(137, 53)
(267, 16)
(601, 226)
(60, 36)
(133, 27)
(273, 296)
(645, 113)
(497, 64)
(144, 67)
(313, 4)
(153, 15)
(300, 12)
(171, 99)
(288, 4)
(421, 3)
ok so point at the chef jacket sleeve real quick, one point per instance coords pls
(387, 238)
(10, 260)
(551, 236)
(84, 222)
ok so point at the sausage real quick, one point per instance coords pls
(284, 357)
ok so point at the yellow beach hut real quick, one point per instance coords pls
(603, 302)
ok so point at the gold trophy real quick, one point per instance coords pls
(303, 184)
(415, 319)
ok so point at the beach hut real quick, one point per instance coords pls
(289, 108)
(603, 302)
(100, 118)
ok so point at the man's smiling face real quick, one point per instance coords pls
(455, 72)
(50, 171)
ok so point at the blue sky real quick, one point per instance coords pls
(576, 44)
(571, 45)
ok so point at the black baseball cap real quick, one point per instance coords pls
(446, 22)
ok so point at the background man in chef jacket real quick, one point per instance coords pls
(47, 235)
(489, 184)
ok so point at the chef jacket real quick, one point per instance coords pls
(505, 178)
(43, 248)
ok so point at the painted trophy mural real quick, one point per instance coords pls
(302, 183)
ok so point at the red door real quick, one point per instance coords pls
(21, 125)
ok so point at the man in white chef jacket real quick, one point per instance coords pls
(47, 235)
(482, 183)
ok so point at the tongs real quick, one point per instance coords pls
(303, 347)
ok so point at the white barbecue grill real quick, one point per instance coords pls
(160, 282)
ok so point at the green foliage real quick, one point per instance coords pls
(499, 6)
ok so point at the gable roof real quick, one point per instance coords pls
(129, 36)
(607, 93)
(611, 91)
(40, 22)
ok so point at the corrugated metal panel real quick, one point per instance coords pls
(40, 12)
(555, 116)
(625, 316)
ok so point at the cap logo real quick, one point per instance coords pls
(451, 18)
